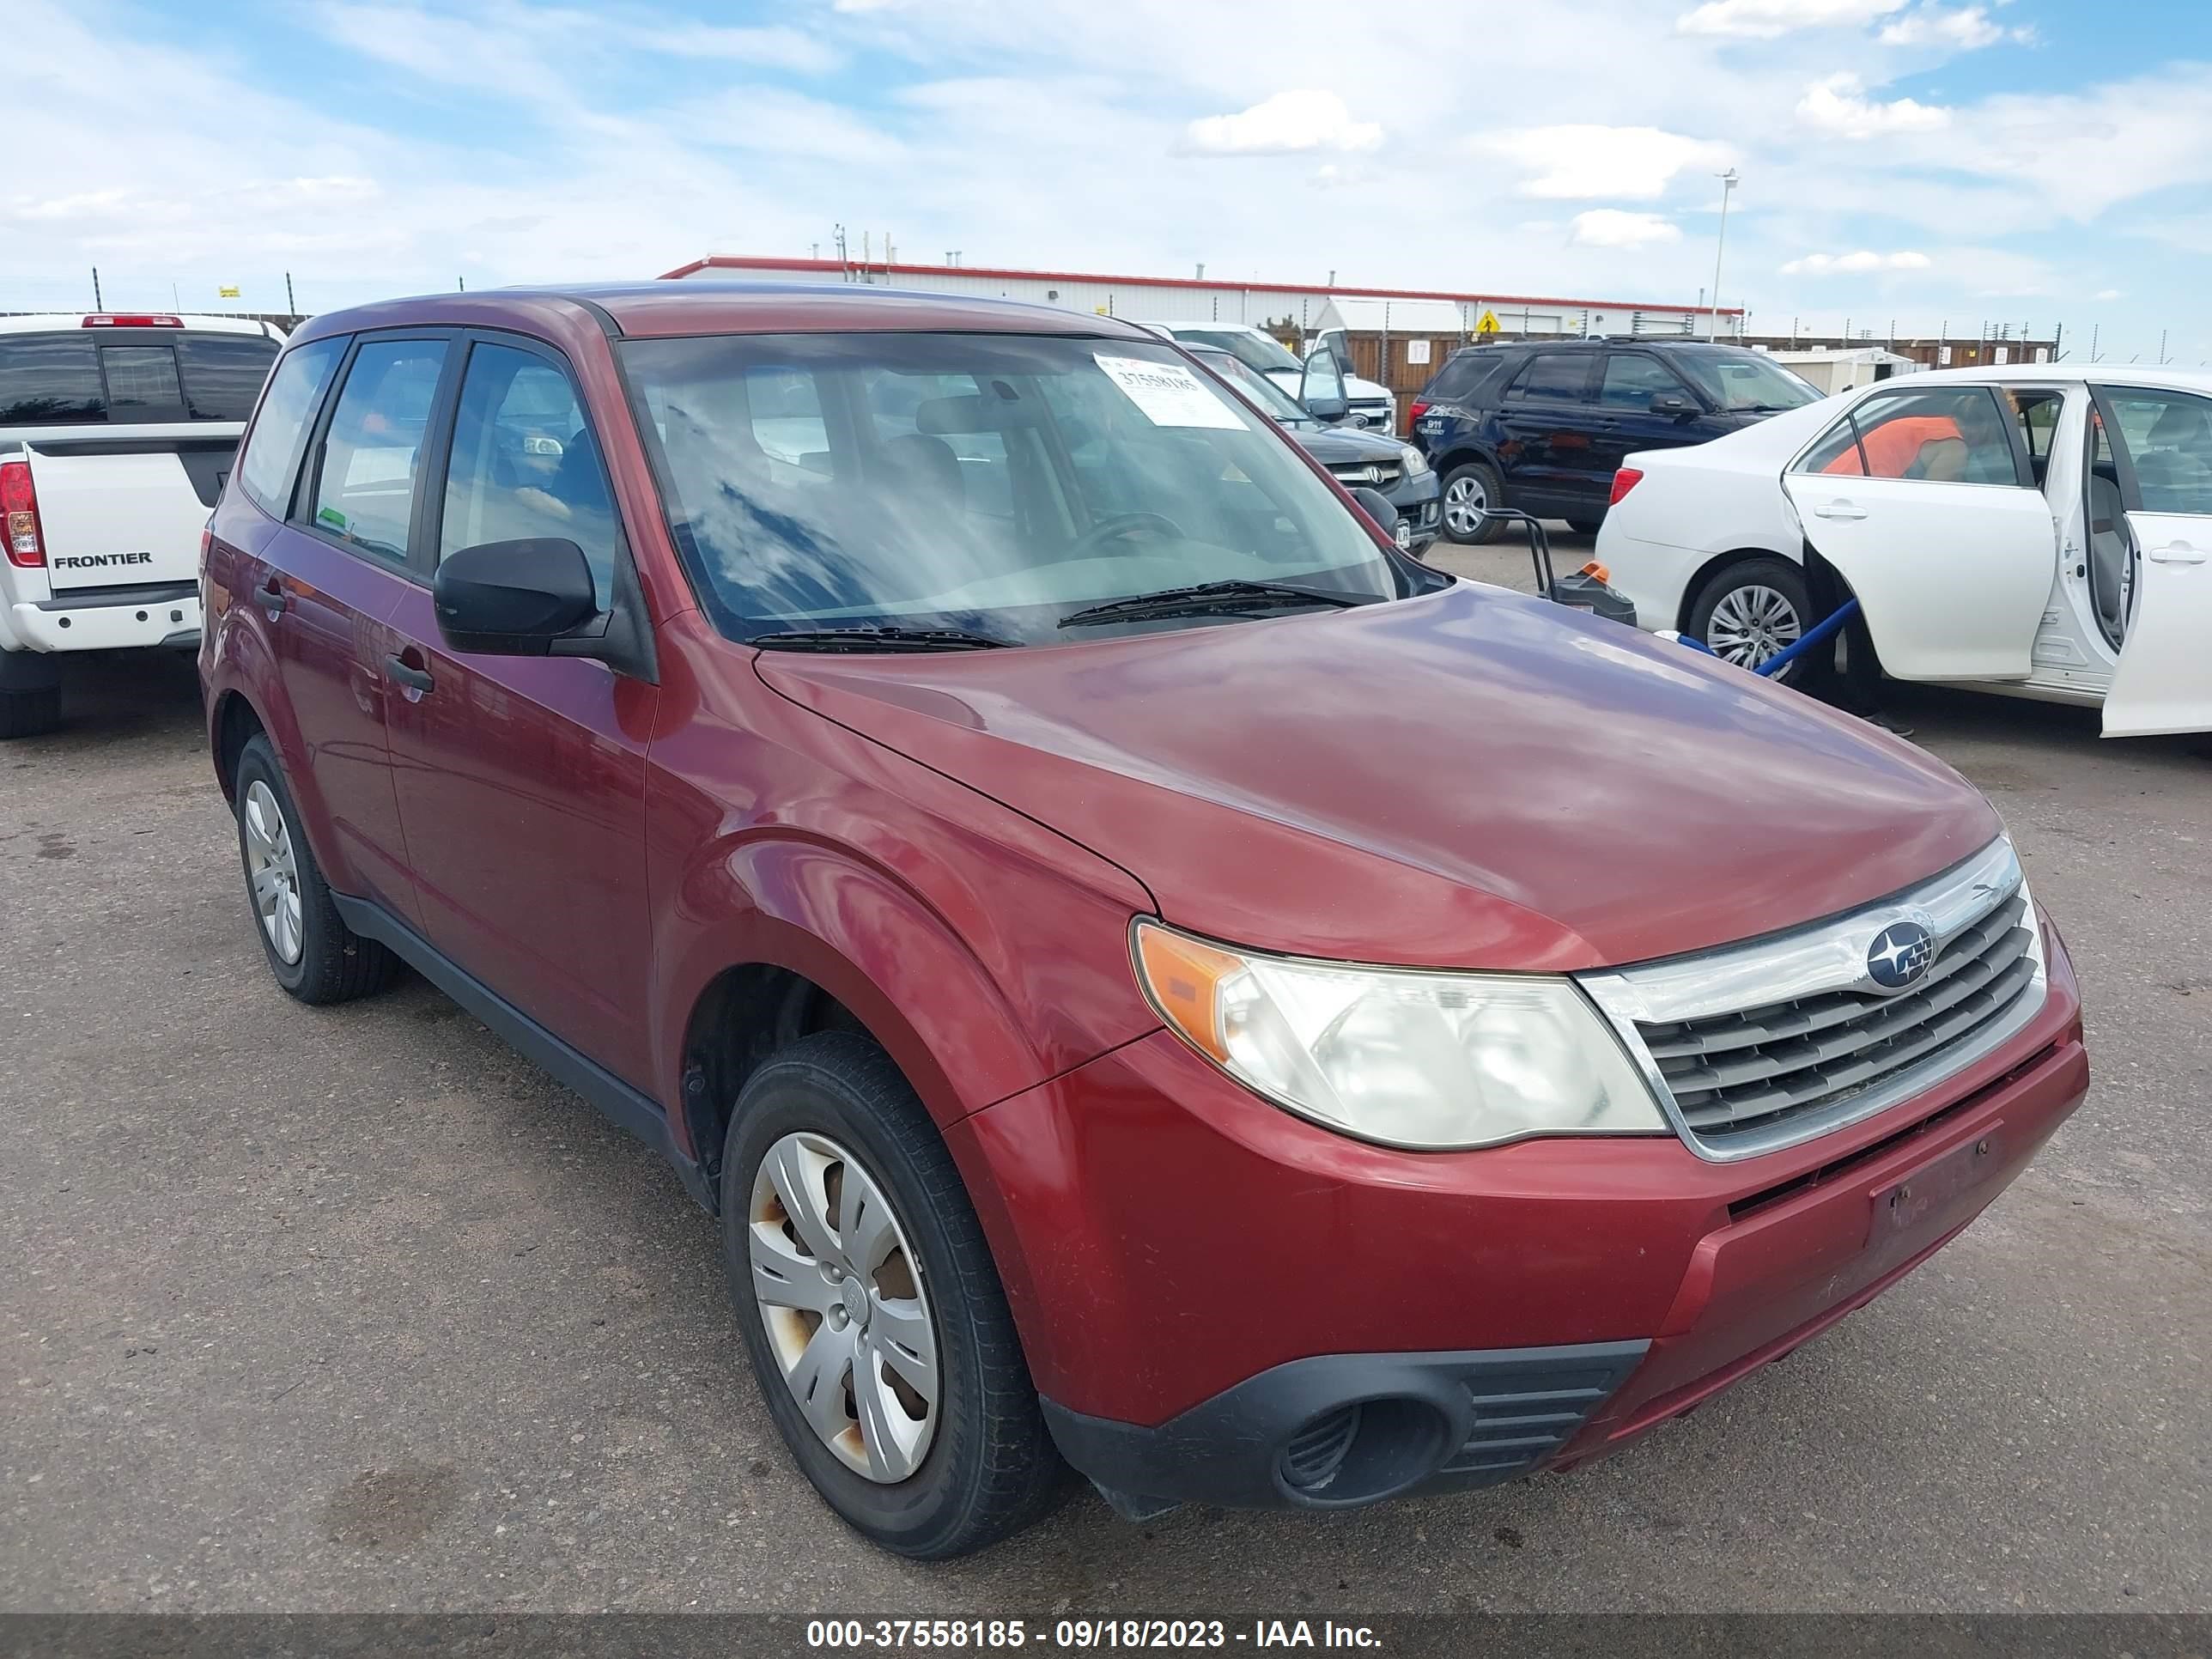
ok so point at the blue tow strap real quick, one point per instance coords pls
(1821, 631)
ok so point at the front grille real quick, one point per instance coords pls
(1746, 1072)
(1378, 475)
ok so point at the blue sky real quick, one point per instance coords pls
(1926, 160)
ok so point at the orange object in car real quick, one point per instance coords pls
(1893, 447)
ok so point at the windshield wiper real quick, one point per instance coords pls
(879, 637)
(1206, 597)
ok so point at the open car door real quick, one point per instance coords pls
(2161, 446)
(1924, 500)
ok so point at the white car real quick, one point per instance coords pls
(1372, 405)
(116, 431)
(2036, 530)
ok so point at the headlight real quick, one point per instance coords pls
(1428, 1060)
(1416, 463)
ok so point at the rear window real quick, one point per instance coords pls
(50, 379)
(66, 379)
(223, 373)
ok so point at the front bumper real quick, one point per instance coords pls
(1418, 503)
(1208, 1287)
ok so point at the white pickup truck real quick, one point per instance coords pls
(116, 434)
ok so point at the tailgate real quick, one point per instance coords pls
(120, 511)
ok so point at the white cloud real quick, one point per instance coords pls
(1616, 228)
(1839, 105)
(1765, 19)
(1579, 162)
(1302, 119)
(1967, 29)
(773, 47)
(1846, 264)
(2108, 293)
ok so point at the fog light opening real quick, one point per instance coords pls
(1362, 1452)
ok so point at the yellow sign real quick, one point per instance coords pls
(226, 294)
(1488, 325)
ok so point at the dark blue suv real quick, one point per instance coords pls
(1542, 425)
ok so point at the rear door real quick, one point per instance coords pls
(1924, 500)
(2161, 443)
(1548, 425)
(1626, 386)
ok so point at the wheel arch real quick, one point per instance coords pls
(232, 724)
(1704, 577)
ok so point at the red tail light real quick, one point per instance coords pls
(1624, 480)
(135, 319)
(1415, 411)
(19, 502)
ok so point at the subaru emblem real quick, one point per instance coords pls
(1899, 954)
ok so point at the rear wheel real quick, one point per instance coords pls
(1470, 491)
(1752, 612)
(314, 954)
(871, 1309)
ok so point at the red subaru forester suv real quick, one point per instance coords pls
(1145, 975)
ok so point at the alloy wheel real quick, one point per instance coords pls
(273, 869)
(1465, 502)
(1752, 624)
(843, 1305)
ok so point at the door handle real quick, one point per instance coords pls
(1839, 510)
(407, 674)
(2176, 553)
(273, 597)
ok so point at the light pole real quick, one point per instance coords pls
(1729, 182)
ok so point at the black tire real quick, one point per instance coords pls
(1586, 526)
(1777, 576)
(28, 713)
(1482, 478)
(335, 963)
(990, 1468)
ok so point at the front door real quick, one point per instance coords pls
(521, 780)
(336, 572)
(1547, 432)
(2161, 446)
(1926, 501)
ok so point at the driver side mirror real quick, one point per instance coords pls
(512, 598)
(1675, 403)
(1321, 387)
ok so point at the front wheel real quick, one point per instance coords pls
(1752, 611)
(1470, 491)
(871, 1309)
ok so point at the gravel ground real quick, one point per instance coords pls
(354, 1310)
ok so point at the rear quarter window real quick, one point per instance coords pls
(50, 379)
(272, 445)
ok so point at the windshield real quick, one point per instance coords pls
(1272, 398)
(1262, 351)
(988, 483)
(1745, 380)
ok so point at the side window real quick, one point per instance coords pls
(2168, 435)
(1553, 377)
(1950, 435)
(272, 447)
(365, 486)
(1632, 381)
(525, 463)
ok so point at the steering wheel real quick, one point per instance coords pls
(1121, 524)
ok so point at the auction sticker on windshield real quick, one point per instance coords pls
(1168, 393)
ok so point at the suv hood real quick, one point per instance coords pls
(1472, 779)
(1338, 445)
